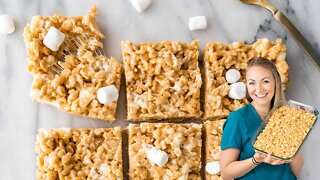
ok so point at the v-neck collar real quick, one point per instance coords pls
(255, 113)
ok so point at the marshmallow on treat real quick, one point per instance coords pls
(233, 75)
(213, 167)
(157, 156)
(6, 24)
(197, 22)
(237, 90)
(107, 94)
(53, 39)
(140, 5)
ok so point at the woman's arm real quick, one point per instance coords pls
(230, 167)
(296, 164)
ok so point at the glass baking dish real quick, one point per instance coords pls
(291, 104)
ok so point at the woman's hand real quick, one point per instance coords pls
(259, 157)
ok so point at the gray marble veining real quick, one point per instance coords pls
(228, 21)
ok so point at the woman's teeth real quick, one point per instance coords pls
(261, 95)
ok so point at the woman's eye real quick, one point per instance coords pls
(266, 82)
(251, 83)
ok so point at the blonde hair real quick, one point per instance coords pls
(278, 98)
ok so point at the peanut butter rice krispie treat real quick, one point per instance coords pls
(220, 58)
(163, 80)
(79, 153)
(74, 76)
(164, 151)
(284, 133)
(213, 143)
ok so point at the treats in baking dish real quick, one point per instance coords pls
(286, 130)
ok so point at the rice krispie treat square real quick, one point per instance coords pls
(163, 80)
(176, 146)
(79, 153)
(71, 77)
(213, 131)
(219, 58)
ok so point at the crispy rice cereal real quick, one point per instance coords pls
(163, 80)
(285, 131)
(79, 153)
(182, 143)
(219, 58)
(84, 71)
(213, 143)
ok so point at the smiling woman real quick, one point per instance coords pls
(264, 89)
(238, 159)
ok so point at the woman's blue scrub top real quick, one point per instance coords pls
(238, 130)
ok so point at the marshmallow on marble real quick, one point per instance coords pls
(6, 24)
(140, 5)
(107, 94)
(237, 90)
(213, 167)
(157, 156)
(233, 75)
(197, 22)
(53, 39)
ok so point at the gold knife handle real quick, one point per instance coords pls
(294, 32)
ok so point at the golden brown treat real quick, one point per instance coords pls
(219, 58)
(163, 80)
(213, 143)
(182, 143)
(84, 71)
(79, 153)
(285, 131)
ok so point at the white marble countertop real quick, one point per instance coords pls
(228, 21)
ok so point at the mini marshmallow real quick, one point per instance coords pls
(213, 167)
(157, 156)
(141, 103)
(197, 22)
(233, 75)
(104, 169)
(108, 94)
(106, 67)
(140, 5)
(237, 90)
(177, 87)
(53, 39)
(6, 24)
